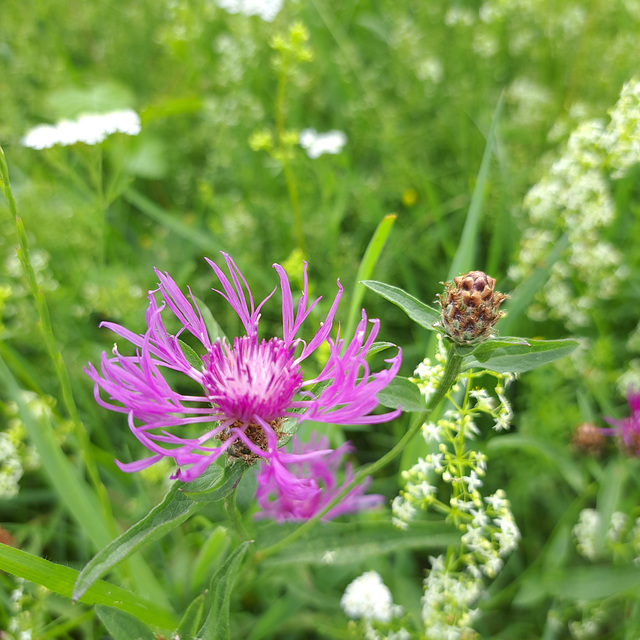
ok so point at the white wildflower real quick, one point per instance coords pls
(90, 128)
(316, 144)
(265, 9)
(367, 597)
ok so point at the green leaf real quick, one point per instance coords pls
(190, 355)
(592, 583)
(60, 580)
(173, 222)
(172, 511)
(419, 312)
(559, 456)
(209, 556)
(401, 392)
(123, 626)
(367, 265)
(464, 258)
(216, 626)
(377, 347)
(226, 483)
(192, 619)
(508, 357)
(347, 543)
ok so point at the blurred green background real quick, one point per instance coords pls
(414, 85)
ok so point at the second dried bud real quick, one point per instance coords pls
(470, 307)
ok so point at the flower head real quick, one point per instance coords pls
(279, 503)
(470, 307)
(248, 387)
(628, 428)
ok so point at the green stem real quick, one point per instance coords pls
(449, 377)
(231, 509)
(292, 189)
(49, 340)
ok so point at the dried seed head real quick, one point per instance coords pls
(470, 307)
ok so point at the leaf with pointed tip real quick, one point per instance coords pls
(418, 311)
(216, 626)
(401, 392)
(223, 487)
(190, 355)
(172, 511)
(517, 357)
(123, 626)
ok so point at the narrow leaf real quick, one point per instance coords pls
(517, 358)
(192, 619)
(216, 626)
(60, 580)
(123, 626)
(419, 312)
(367, 265)
(172, 511)
(348, 543)
(190, 355)
(377, 347)
(213, 328)
(222, 488)
(557, 455)
(467, 247)
(401, 392)
(199, 237)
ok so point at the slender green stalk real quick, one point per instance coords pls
(449, 377)
(50, 343)
(234, 516)
(292, 189)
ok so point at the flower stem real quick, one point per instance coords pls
(49, 340)
(292, 189)
(449, 376)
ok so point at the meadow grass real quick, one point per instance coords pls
(451, 113)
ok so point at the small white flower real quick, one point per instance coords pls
(473, 482)
(316, 144)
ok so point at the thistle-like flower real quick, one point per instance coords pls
(248, 387)
(470, 307)
(279, 502)
(628, 429)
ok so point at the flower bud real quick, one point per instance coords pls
(470, 307)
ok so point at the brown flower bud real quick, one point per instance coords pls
(470, 307)
(588, 439)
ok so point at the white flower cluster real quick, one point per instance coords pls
(573, 199)
(448, 602)
(427, 375)
(368, 600)
(16, 456)
(265, 9)
(620, 538)
(368, 597)
(90, 128)
(317, 144)
(20, 623)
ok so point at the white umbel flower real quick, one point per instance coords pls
(368, 597)
(89, 128)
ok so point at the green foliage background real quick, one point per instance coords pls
(415, 89)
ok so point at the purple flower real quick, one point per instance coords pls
(628, 428)
(280, 499)
(248, 388)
